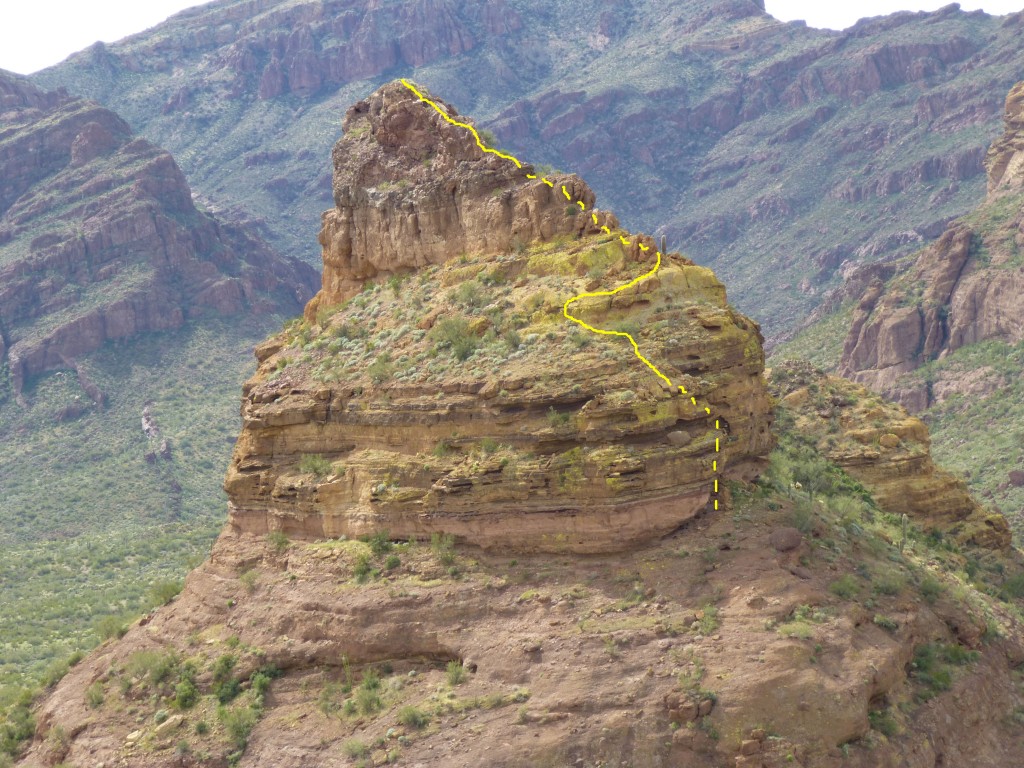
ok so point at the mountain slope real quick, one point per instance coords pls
(943, 334)
(581, 601)
(125, 319)
(776, 152)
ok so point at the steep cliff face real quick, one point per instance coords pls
(964, 289)
(460, 400)
(100, 240)
(732, 132)
(404, 198)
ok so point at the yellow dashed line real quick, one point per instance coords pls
(565, 307)
(471, 129)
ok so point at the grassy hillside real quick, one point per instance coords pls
(88, 524)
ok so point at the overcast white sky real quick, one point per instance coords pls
(37, 33)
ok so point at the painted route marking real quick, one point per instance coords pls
(565, 307)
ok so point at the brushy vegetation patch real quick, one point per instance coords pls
(933, 667)
(93, 533)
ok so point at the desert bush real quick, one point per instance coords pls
(443, 547)
(455, 672)
(314, 464)
(456, 334)
(278, 540)
(381, 369)
(238, 722)
(94, 695)
(413, 717)
(354, 748)
(163, 592)
(845, 587)
(109, 627)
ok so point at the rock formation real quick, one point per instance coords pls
(451, 399)
(754, 137)
(963, 289)
(887, 450)
(548, 439)
(100, 239)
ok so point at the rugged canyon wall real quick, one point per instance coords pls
(963, 289)
(710, 120)
(539, 436)
(100, 239)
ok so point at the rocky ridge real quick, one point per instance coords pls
(964, 289)
(461, 401)
(887, 450)
(100, 239)
(738, 134)
(454, 401)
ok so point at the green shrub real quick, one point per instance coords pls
(442, 449)
(151, 664)
(238, 722)
(930, 588)
(202, 728)
(314, 464)
(845, 587)
(111, 627)
(392, 562)
(54, 673)
(380, 543)
(882, 721)
(249, 579)
(798, 629)
(708, 622)
(362, 570)
(259, 684)
(225, 686)
(1013, 587)
(185, 694)
(557, 419)
(455, 672)
(889, 625)
(511, 339)
(163, 592)
(889, 584)
(278, 540)
(381, 369)
(94, 695)
(469, 294)
(931, 666)
(368, 701)
(456, 334)
(412, 717)
(354, 748)
(443, 547)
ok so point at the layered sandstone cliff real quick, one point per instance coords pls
(452, 397)
(965, 288)
(887, 450)
(456, 398)
(100, 239)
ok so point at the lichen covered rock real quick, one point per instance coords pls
(459, 399)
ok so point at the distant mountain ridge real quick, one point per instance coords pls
(100, 240)
(127, 319)
(773, 152)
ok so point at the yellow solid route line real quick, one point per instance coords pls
(565, 307)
